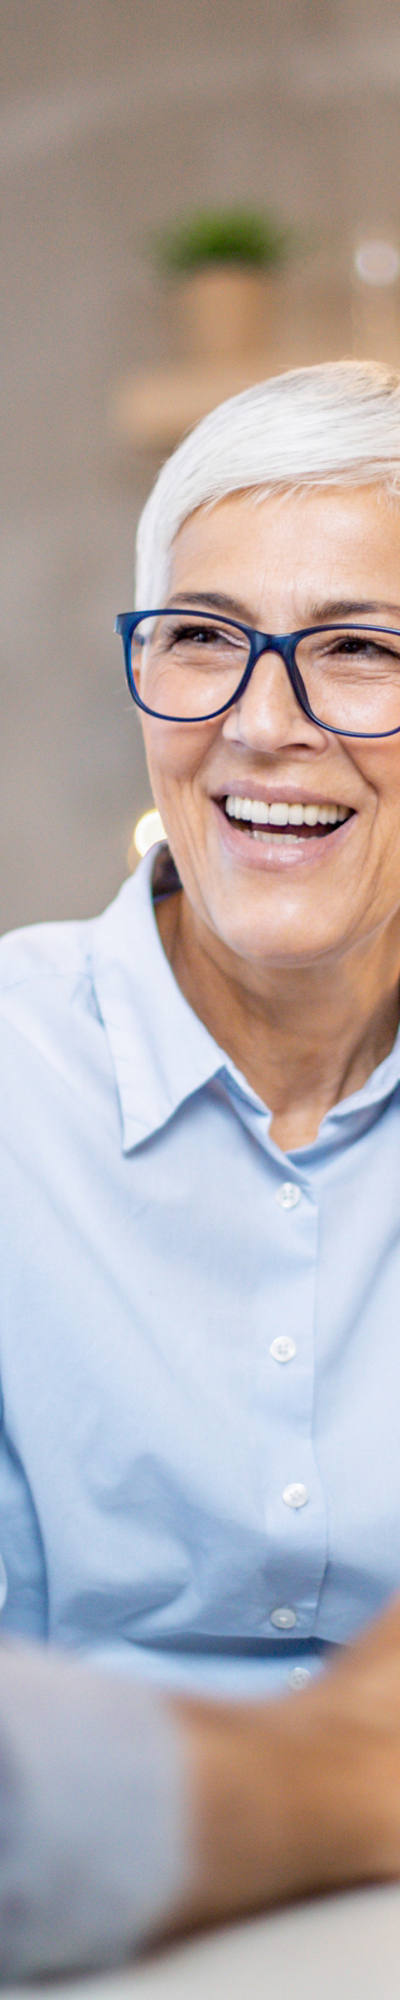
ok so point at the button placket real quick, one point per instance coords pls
(297, 1549)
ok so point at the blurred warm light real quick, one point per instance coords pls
(148, 829)
(377, 262)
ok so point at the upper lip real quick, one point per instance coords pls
(290, 794)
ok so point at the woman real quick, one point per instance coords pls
(201, 1249)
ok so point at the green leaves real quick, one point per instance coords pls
(236, 235)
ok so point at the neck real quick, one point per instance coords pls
(304, 1038)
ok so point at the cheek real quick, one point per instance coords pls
(174, 755)
(379, 767)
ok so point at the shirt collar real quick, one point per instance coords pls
(161, 1051)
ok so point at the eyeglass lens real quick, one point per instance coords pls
(189, 667)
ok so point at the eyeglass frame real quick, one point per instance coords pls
(283, 643)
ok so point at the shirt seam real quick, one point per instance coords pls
(47, 972)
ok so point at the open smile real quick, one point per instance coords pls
(282, 834)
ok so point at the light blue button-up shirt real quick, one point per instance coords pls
(200, 1334)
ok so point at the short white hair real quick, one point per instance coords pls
(337, 423)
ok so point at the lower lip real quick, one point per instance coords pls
(281, 853)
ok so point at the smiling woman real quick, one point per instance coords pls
(271, 724)
(293, 926)
(200, 1115)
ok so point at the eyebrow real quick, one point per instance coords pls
(345, 607)
(217, 598)
(330, 610)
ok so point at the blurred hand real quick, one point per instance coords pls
(300, 1795)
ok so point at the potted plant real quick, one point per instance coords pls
(219, 262)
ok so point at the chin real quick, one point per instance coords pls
(261, 945)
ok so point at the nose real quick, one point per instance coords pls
(268, 713)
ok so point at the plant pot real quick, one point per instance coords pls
(220, 311)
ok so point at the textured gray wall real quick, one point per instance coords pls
(115, 116)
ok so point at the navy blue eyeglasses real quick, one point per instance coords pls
(193, 666)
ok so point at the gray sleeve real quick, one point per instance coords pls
(95, 1836)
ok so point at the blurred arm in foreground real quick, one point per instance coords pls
(126, 1817)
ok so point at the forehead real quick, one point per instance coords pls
(294, 544)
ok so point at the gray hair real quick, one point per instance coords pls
(337, 423)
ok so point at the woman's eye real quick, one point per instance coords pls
(355, 647)
(202, 632)
(201, 635)
(197, 632)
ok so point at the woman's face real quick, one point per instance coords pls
(283, 561)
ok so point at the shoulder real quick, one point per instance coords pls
(52, 1042)
(44, 969)
(73, 993)
(39, 947)
(59, 954)
(58, 981)
(42, 952)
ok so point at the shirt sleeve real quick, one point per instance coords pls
(95, 1835)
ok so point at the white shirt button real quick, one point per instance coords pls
(295, 1495)
(299, 1677)
(3, 1583)
(288, 1195)
(283, 1617)
(283, 1348)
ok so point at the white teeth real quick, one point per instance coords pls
(280, 813)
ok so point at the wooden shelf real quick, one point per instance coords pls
(152, 409)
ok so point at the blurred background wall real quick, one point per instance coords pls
(116, 118)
